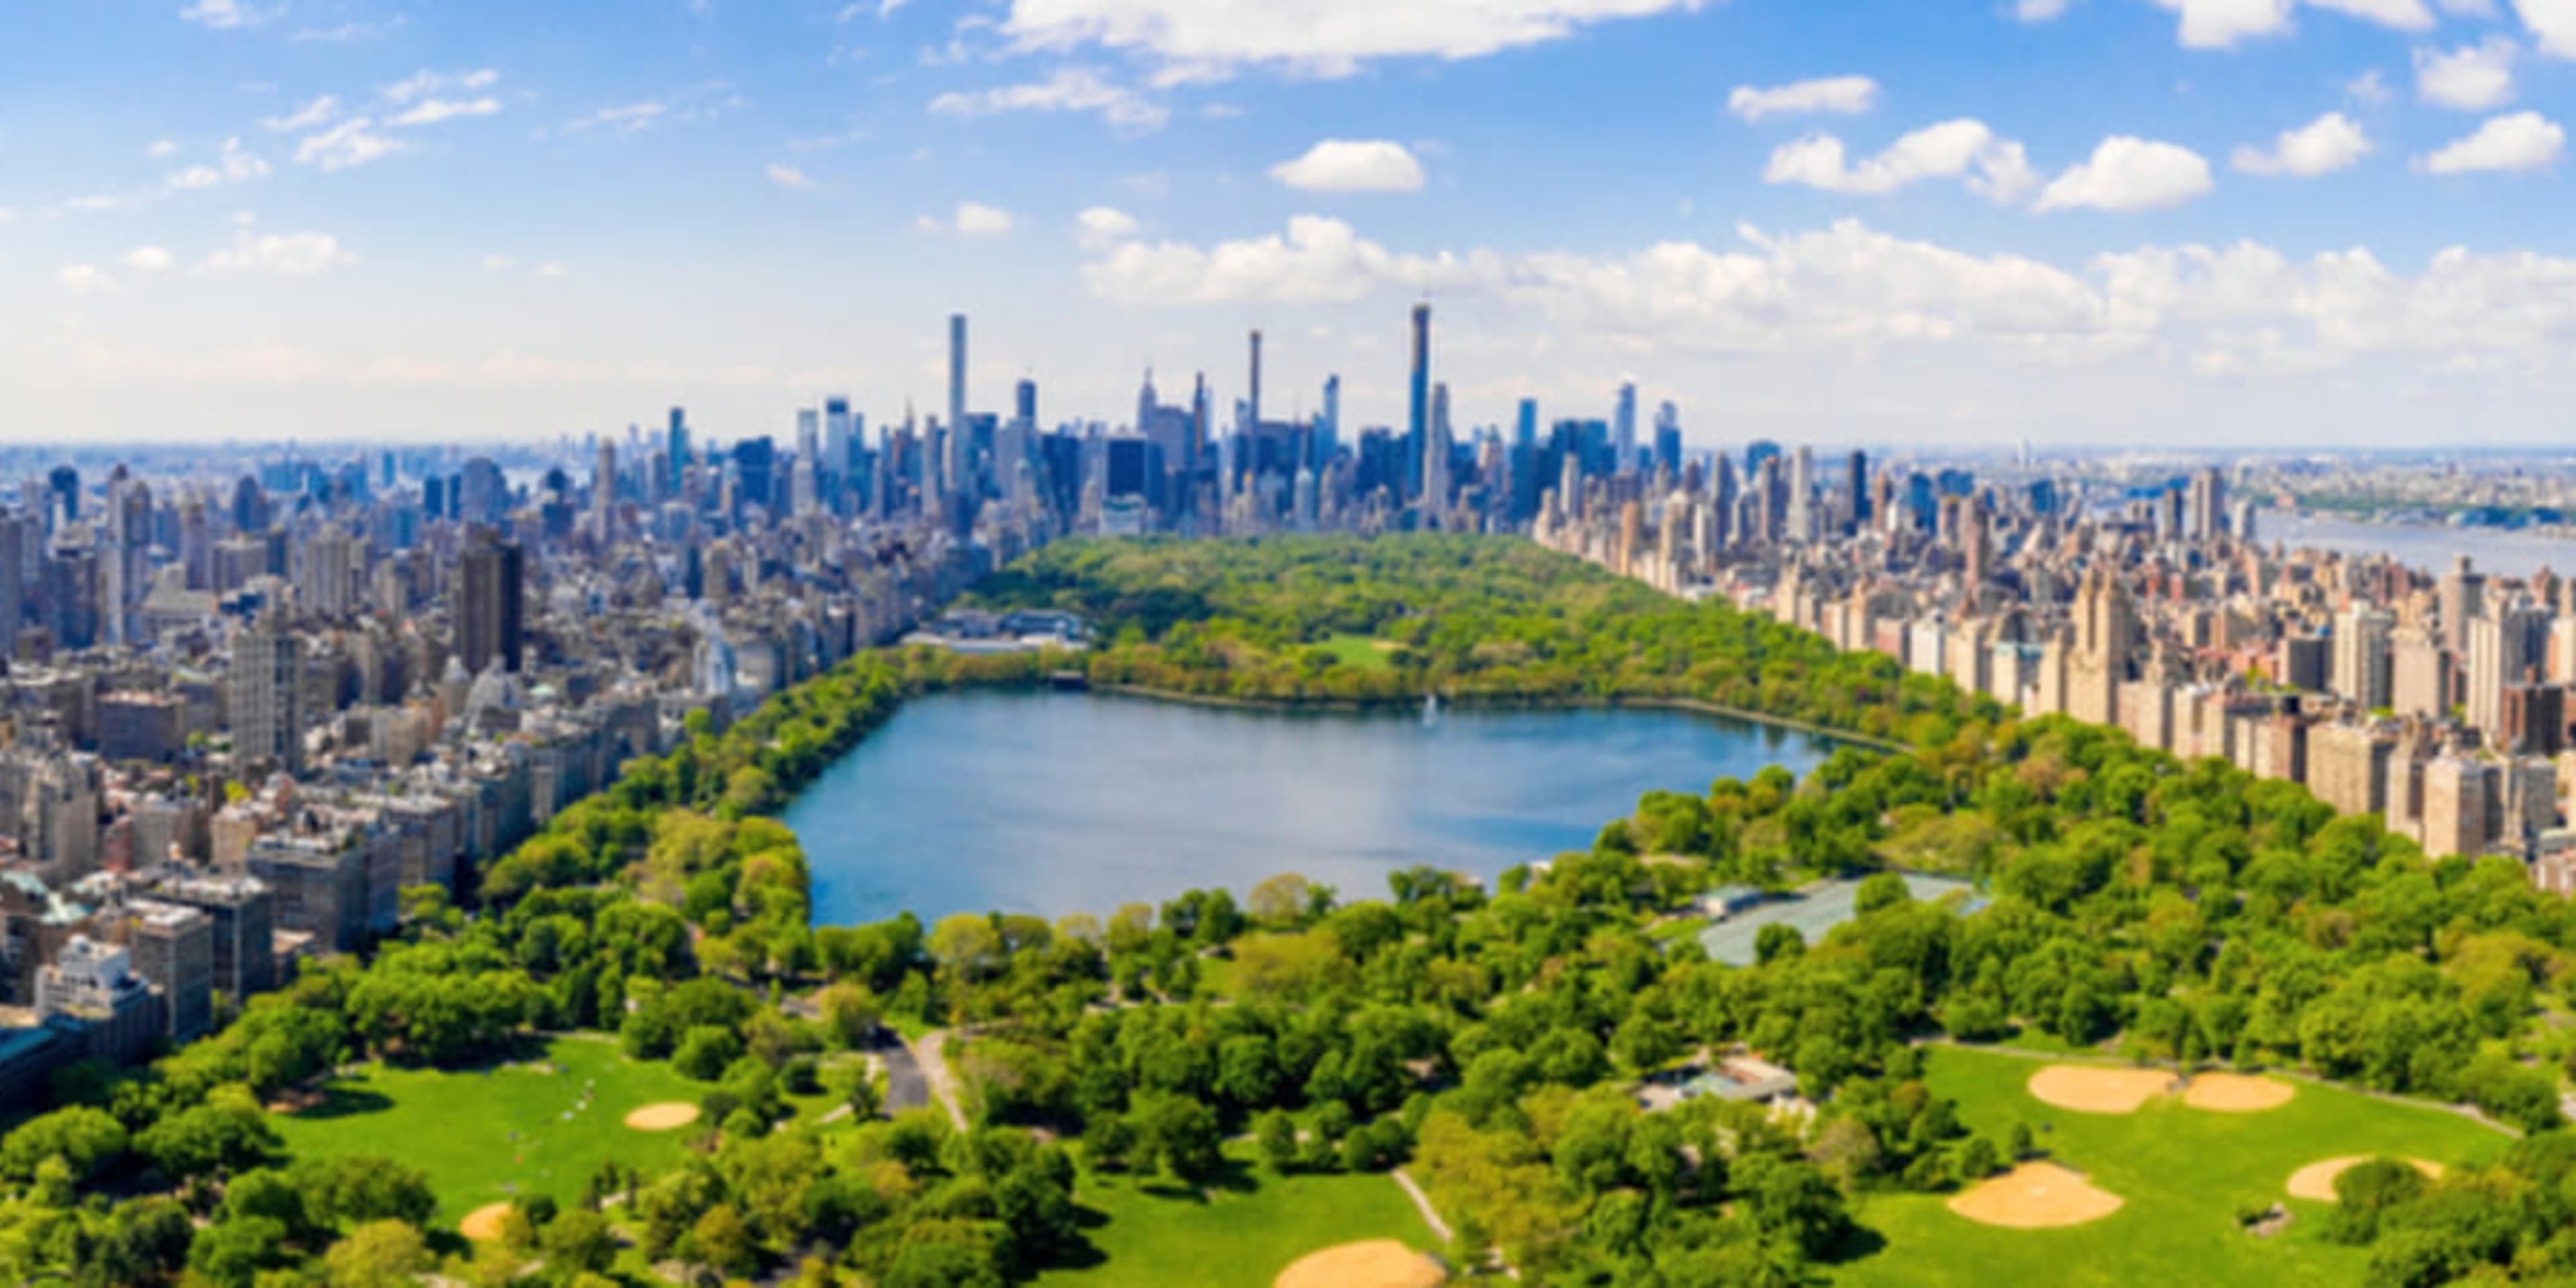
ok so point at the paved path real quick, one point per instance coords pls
(934, 1069)
(906, 1086)
(1422, 1204)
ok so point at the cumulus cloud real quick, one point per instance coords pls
(1199, 40)
(1992, 166)
(1352, 165)
(422, 84)
(972, 219)
(284, 254)
(2039, 10)
(2329, 143)
(224, 15)
(315, 112)
(431, 111)
(2222, 24)
(232, 164)
(2552, 24)
(1069, 89)
(352, 142)
(2472, 77)
(1847, 290)
(1101, 227)
(162, 149)
(2126, 173)
(2521, 141)
(147, 259)
(788, 176)
(1844, 95)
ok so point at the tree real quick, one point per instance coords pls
(1775, 941)
(850, 1013)
(578, 1241)
(1180, 1134)
(1277, 1134)
(1279, 902)
(966, 945)
(720, 1239)
(378, 1254)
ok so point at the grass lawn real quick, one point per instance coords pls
(1358, 652)
(2183, 1172)
(1244, 1233)
(488, 1135)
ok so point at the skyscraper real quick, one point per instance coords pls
(678, 444)
(1254, 398)
(489, 607)
(955, 472)
(1623, 427)
(1417, 429)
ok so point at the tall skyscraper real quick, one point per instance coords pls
(490, 603)
(1254, 398)
(1623, 427)
(954, 480)
(1856, 478)
(1417, 427)
(678, 443)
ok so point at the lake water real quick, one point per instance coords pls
(2426, 546)
(1052, 803)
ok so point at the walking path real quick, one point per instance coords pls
(1422, 1204)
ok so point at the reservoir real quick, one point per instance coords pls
(1052, 803)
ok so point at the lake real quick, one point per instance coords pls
(1052, 803)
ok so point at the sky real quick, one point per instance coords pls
(2186, 223)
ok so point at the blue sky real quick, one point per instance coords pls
(2277, 222)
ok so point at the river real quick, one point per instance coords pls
(1052, 803)
(2427, 546)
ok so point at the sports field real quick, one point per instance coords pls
(1241, 1234)
(490, 1135)
(1358, 652)
(2180, 1174)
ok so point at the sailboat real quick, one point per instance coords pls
(1431, 708)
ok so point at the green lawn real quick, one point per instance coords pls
(1244, 1233)
(486, 1135)
(2183, 1172)
(1358, 652)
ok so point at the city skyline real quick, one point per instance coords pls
(2205, 220)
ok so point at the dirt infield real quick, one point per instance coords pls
(2316, 1180)
(670, 1115)
(483, 1224)
(2236, 1093)
(1374, 1263)
(2035, 1196)
(2095, 1090)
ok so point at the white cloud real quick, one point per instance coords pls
(2329, 143)
(287, 255)
(1994, 167)
(2126, 173)
(231, 165)
(224, 15)
(347, 32)
(2368, 87)
(1846, 95)
(83, 279)
(973, 219)
(2472, 78)
(788, 176)
(431, 111)
(1319, 261)
(314, 113)
(162, 149)
(148, 259)
(1101, 227)
(2221, 24)
(2039, 10)
(2401, 15)
(1204, 40)
(422, 84)
(1352, 165)
(2521, 141)
(1070, 89)
(630, 118)
(350, 143)
(2552, 24)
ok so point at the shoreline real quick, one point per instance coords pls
(1499, 701)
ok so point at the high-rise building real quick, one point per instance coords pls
(265, 690)
(953, 477)
(1253, 399)
(2506, 647)
(1623, 428)
(2362, 656)
(1668, 438)
(490, 603)
(1417, 431)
